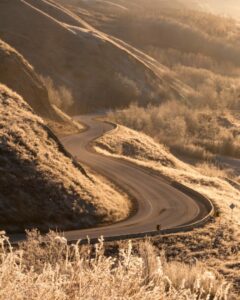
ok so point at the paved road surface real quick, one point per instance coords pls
(157, 201)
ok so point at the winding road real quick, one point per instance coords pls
(157, 201)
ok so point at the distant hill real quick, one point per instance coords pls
(100, 70)
(224, 7)
(40, 185)
(179, 24)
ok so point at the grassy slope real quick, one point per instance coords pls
(71, 52)
(163, 24)
(27, 83)
(39, 185)
(177, 36)
(18, 74)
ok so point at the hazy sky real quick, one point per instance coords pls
(227, 7)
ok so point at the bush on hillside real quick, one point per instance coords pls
(59, 96)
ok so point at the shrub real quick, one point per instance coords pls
(59, 96)
(185, 128)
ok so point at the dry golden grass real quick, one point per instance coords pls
(46, 267)
(25, 81)
(40, 186)
(217, 245)
(212, 169)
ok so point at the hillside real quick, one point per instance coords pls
(40, 185)
(18, 74)
(159, 25)
(197, 47)
(99, 70)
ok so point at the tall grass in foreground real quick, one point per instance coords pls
(47, 268)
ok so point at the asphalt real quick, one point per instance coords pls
(156, 201)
